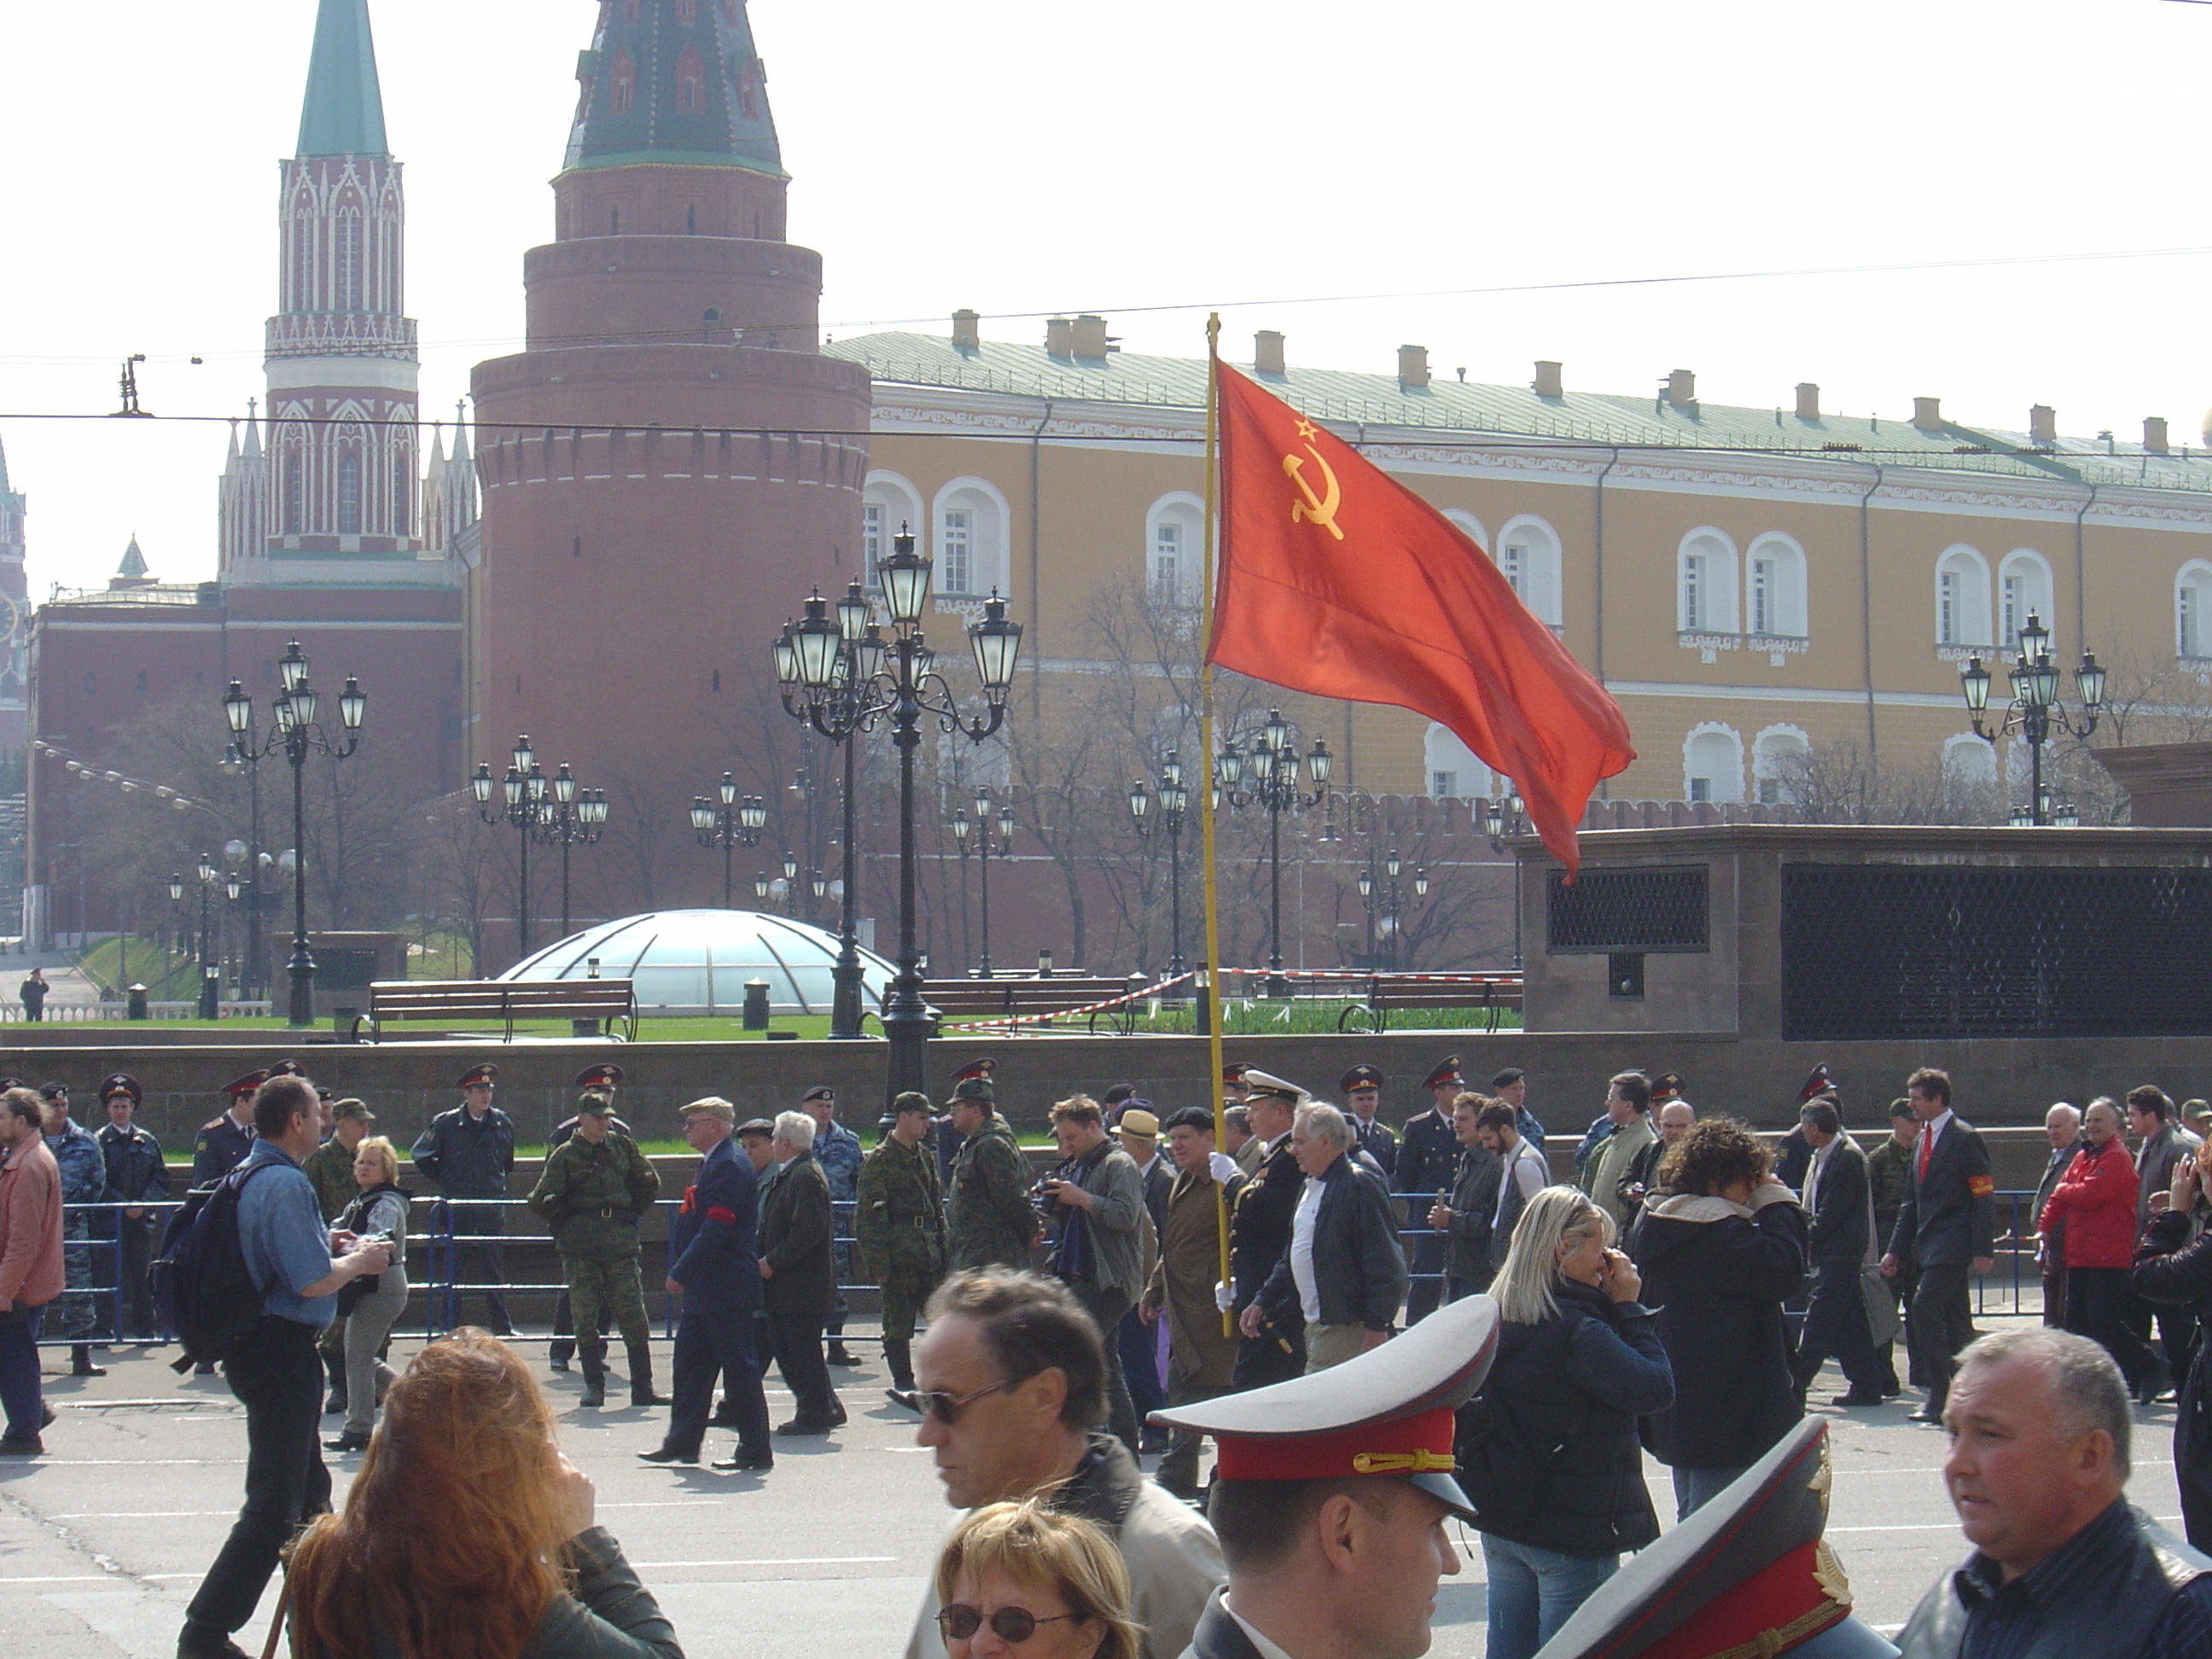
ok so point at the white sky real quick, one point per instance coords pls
(1027, 158)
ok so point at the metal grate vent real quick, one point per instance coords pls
(1659, 909)
(1874, 951)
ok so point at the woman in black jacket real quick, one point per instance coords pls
(2173, 1267)
(1720, 1257)
(1549, 1449)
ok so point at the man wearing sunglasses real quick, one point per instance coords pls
(1011, 1377)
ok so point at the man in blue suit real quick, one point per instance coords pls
(714, 1269)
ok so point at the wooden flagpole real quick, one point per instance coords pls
(1210, 1000)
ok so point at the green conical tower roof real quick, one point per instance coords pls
(133, 561)
(663, 90)
(344, 111)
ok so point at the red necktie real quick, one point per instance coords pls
(1927, 1146)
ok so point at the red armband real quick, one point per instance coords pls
(727, 1217)
(1980, 1186)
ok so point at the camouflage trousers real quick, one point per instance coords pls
(78, 1312)
(906, 1292)
(603, 1290)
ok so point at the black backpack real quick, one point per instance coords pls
(205, 1291)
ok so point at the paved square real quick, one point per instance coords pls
(103, 1541)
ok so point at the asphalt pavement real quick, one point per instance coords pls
(103, 1540)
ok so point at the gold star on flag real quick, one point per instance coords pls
(1306, 428)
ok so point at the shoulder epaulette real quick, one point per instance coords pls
(213, 1123)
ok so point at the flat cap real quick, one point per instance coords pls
(121, 1082)
(762, 1127)
(53, 1090)
(819, 1092)
(1268, 1086)
(1748, 1572)
(484, 1075)
(1390, 1410)
(1360, 1077)
(605, 1075)
(1447, 1071)
(713, 1106)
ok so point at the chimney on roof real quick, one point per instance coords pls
(1090, 342)
(1059, 336)
(2154, 439)
(1413, 365)
(967, 330)
(1268, 353)
(1547, 382)
(1682, 389)
(2043, 424)
(1809, 401)
(1928, 414)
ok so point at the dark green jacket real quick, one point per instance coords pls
(989, 1218)
(329, 1166)
(899, 1222)
(591, 1197)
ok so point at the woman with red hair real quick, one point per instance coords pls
(467, 1532)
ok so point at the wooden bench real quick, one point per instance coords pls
(1004, 998)
(1387, 993)
(611, 1004)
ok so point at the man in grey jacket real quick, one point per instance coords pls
(1096, 1202)
(1345, 1268)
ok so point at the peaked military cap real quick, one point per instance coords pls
(605, 1075)
(1266, 1084)
(1666, 1086)
(486, 1075)
(984, 1070)
(1234, 1070)
(1389, 1412)
(1360, 1077)
(120, 1082)
(239, 1087)
(1448, 1072)
(284, 1068)
(1817, 1083)
(1748, 1573)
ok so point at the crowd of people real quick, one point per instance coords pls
(1679, 1296)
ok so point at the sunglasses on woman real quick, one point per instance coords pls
(959, 1621)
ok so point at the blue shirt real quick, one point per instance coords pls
(2004, 1619)
(288, 1248)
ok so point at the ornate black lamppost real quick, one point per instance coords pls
(247, 757)
(987, 845)
(210, 975)
(1502, 818)
(1381, 897)
(1174, 802)
(839, 711)
(572, 818)
(843, 677)
(298, 733)
(2035, 707)
(1269, 777)
(737, 822)
(522, 791)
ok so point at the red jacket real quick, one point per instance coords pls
(31, 1225)
(2096, 1200)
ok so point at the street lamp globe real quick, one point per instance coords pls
(702, 815)
(237, 708)
(353, 705)
(1140, 800)
(1321, 763)
(177, 888)
(2090, 677)
(481, 784)
(905, 577)
(753, 815)
(1974, 681)
(997, 643)
(729, 790)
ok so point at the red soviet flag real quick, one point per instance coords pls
(1338, 580)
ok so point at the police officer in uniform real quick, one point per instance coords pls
(604, 1079)
(595, 1188)
(837, 1149)
(1428, 1158)
(224, 1141)
(899, 1228)
(136, 1174)
(1260, 1233)
(1362, 1089)
(466, 1153)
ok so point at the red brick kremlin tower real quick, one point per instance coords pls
(671, 461)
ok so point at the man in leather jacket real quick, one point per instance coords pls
(2063, 1565)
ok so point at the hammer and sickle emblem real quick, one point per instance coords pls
(1321, 508)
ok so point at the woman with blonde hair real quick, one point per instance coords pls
(1023, 1576)
(467, 1535)
(370, 1305)
(1548, 1450)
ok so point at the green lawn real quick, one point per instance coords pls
(649, 1030)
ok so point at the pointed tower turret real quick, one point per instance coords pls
(337, 485)
(15, 611)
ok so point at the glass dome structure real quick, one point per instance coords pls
(697, 962)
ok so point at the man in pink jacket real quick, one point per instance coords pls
(30, 1265)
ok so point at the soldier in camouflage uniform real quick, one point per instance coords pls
(989, 1220)
(329, 1167)
(84, 1181)
(595, 1188)
(899, 1225)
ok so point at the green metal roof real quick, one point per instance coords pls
(344, 114)
(133, 561)
(661, 91)
(1593, 419)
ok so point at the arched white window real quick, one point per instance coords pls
(349, 492)
(1473, 526)
(1712, 764)
(887, 501)
(1528, 553)
(1970, 773)
(969, 529)
(1962, 597)
(2193, 610)
(1454, 771)
(2023, 586)
(1774, 587)
(1174, 548)
(1705, 586)
(1778, 757)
